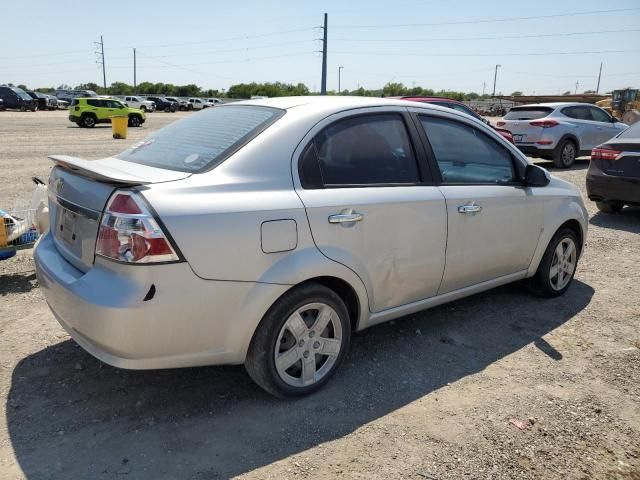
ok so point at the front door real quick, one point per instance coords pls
(371, 208)
(493, 221)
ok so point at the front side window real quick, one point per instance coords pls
(579, 113)
(201, 141)
(466, 155)
(599, 115)
(367, 149)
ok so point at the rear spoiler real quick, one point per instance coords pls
(97, 170)
(119, 172)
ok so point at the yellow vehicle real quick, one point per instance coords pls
(623, 104)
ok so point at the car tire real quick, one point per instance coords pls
(135, 121)
(609, 207)
(88, 121)
(143, 108)
(565, 154)
(303, 323)
(558, 265)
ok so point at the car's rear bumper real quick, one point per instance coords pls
(602, 187)
(187, 321)
(74, 118)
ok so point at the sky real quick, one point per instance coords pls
(452, 44)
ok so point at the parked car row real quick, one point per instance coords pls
(17, 99)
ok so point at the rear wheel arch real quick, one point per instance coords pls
(345, 291)
(572, 138)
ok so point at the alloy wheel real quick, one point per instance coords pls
(568, 154)
(308, 344)
(563, 264)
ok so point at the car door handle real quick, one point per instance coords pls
(346, 217)
(469, 209)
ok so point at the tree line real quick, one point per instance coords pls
(268, 89)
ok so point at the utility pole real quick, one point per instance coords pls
(100, 59)
(495, 77)
(339, 75)
(134, 70)
(599, 75)
(576, 90)
(104, 72)
(323, 84)
(484, 85)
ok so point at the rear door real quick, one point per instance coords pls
(371, 203)
(493, 221)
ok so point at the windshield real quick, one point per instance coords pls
(21, 93)
(202, 141)
(527, 113)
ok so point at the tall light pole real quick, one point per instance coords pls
(599, 75)
(339, 75)
(495, 77)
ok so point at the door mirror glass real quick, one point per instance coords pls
(536, 176)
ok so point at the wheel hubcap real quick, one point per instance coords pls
(563, 264)
(308, 344)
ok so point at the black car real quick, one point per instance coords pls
(16, 98)
(40, 98)
(162, 104)
(613, 178)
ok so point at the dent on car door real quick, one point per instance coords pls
(372, 208)
(494, 221)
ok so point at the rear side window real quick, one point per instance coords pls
(527, 113)
(93, 103)
(74, 102)
(466, 155)
(202, 141)
(367, 149)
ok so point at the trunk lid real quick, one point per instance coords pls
(628, 165)
(78, 191)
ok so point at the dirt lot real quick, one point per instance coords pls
(501, 385)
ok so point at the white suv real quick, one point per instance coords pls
(198, 103)
(138, 102)
(560, 131)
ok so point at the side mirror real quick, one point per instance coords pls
(536, 176)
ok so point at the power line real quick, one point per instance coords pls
(229, 50)
(244, 37)
(494, 54)
(242, 60)
(492, 20)
(506, 37)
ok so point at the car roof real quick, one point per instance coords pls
(419, 98)
(558, 104)
(332, 102)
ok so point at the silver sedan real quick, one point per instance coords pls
(266, 232)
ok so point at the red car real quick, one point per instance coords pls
(461, 107)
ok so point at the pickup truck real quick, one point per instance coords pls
(139, 102)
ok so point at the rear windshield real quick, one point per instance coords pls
(527, 113)
(632, 132)
(202, 141)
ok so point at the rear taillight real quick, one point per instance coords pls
(129, 232)
(604, 154)
(501, 124)
(544, 123)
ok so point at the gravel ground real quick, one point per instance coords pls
(502, 385)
